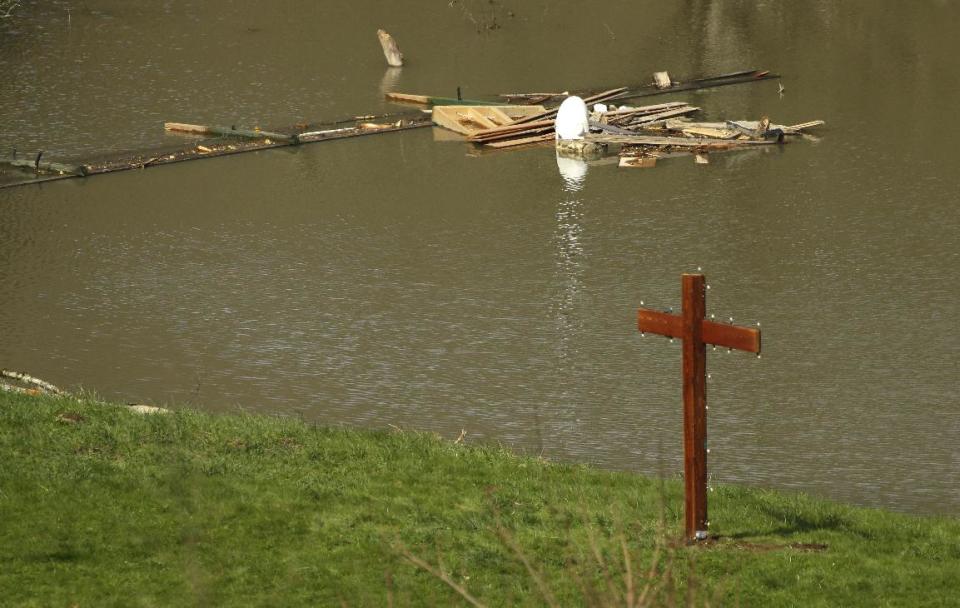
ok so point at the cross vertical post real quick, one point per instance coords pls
(694, 406)
(696, 332)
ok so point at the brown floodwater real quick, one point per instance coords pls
(406, 280)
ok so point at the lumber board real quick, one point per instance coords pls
(523, 141)
(547, 129)
(659, 107)
(687, 142)
(469, 120)
(510, 130)
(227, 131)
(432, 100)
(408, 98)
(648, 118)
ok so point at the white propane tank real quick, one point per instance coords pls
(571, 122)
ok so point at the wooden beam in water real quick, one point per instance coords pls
(683, 142)
(228, 131)
(45, 166)
(431, 100)
(701, 83)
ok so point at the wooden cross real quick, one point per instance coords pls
(696, 332)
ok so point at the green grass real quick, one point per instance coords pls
(120, 509)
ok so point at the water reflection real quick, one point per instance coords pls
(573, 171)
(569, 254)
(391, 77)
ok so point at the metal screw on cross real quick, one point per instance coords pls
(696, 332)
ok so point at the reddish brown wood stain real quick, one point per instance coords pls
(696, 332)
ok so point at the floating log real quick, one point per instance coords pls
(430, 100)
(219, 147)
(748, 125)
(531, 98)
(391, 51)
(229, 131)
(45, 166)
(701, 83)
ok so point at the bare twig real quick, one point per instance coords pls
(535, 574)
(627, 572)
(443, 576)
(388, 579)
(602, 564)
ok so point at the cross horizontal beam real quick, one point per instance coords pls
(718, 334)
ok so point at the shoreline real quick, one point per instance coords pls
(103, 505)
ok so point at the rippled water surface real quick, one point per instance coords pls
(408, 280)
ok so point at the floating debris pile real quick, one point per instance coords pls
(641, 133)
(517, 119)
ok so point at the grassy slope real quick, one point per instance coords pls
(192, 509)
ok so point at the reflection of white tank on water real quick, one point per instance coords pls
(573, 171)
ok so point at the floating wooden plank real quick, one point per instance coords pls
(651, 109)
(648, 118)
(523, 141)
(408, 98)
(511, 130)
(431, 100)
(710, 132)
(228, 131)
(531, 98)
(802, 126)
(226, 147)
(544, 130)
(686, 142)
